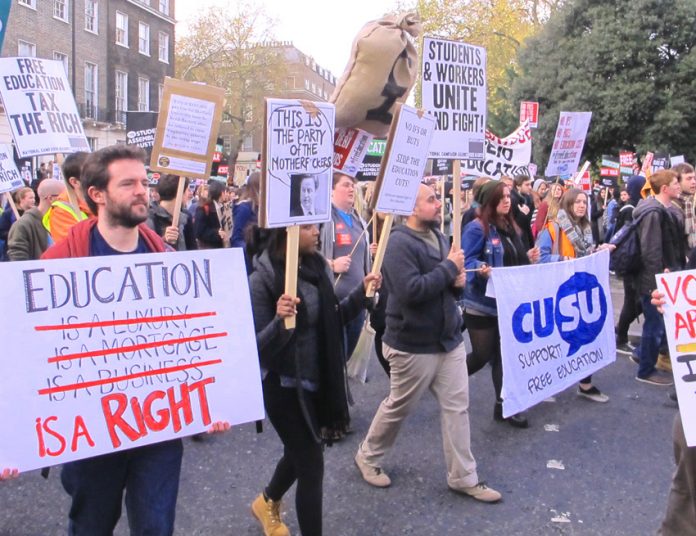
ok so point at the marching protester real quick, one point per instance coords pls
(625, 212)
(207, 219)
(63, 215)
(548, 207)
(597, 207)
(492, 240)
(523, 207)
(687, 183)
(304, 386)
(115, 183)
(28, 237)
(569, 236)
(424, 347)
(160, 216)
(612, 210)
(24, 199)
(470, 213)
(245, 215)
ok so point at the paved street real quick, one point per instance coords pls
(616, 459)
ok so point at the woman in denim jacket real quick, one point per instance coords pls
(491, 240)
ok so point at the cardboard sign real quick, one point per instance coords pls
(350, 148)
(111, 353)
(372, 163)
(646, 168)
(557, 333)
(504, 156)
(407, 154)
(529, 111)
(187, 128)
(140, 130)
(454, 91)
(10, 179)
(40, 107)
(297, 165)
(568, 143)
(680, 311)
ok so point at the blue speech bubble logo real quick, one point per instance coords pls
(581, 310)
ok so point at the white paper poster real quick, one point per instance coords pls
(189, 123)
(402, 170)
(568, 143)
(111, 353)
(298, 162)
(454, 91)
(510, 155)
(554, 334)
(679, 289)
(10, 178)
(40, 107)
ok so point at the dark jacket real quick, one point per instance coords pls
(207, 226)
(422, 313)
(480, 249)
(28, 238)
(159, 219)
(243, 215)
(524, 221)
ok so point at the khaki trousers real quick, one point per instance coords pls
(445, 374)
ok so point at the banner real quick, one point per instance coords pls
(568, 143)
(10, 178)
(40, 107)
(372, 163)
(350, 148)
(110, 353)
(555, 334)
(504, 156)
(679, 289)
(454, 91)
(140, 130)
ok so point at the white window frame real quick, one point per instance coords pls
(164, 6)
(143, 41)
(31, 4)
(124, 31)
(163, 51)
(95, 90)
(94, 17)
(32, 46)
(143, 104)
(59, 56)
(120, 94)
(65, 9)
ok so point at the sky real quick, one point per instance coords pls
(319, 28)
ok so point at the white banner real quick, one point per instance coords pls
(510, 155)
(553, 334)
(10, 179)
(110, 353)
(454, 91)
(40, 107)
(568, 143)
(679, 289)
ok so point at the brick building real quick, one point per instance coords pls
(116, 54)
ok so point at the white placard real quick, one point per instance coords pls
(407, 155)
(454, 91)
(10, 179)
(510, 155)
(298, 162)
(111, 353)
(568, 143)
(557, 333)
(40, 107)
(676, 160)
(679, 289)
(189, 122)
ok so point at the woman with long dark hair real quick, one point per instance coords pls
(492, 240)
(304, 384)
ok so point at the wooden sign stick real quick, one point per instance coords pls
(291, 263)
(381, 249)
(10, 200)
(442, 208)
(179, 202)
(457, 204)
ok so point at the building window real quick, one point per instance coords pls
(26, 49)
(91, 93)
(306, 84)
(164, 6)
(121, 29)
(248, 144)
(60, 9)
(92, 16)
(227, 144)
(143, 95)
(164, 47)
(63, 58)
(144, 38)
(121, 103)
(93, 143)
(28, 3)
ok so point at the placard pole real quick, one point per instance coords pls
(381, 249)
(291, 262)
(457, 204)
(10, 200)
(179, 202)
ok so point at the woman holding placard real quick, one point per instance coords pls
(492, 240)
(304, 385)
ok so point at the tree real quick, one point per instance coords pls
(231, 50)
(630, 63)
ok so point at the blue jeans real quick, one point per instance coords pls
(150, 477)
(651, 339)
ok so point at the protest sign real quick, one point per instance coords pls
(372, 163)
(107, 354)
(557, 333)
(503, 156)
(529, 111)
(10, 179)
(298, 158)
(679, 289)
(627, 159)
(454, 91)
(442, 166)
(187, 128)
(660, 161)
(350, 148)
(140, 130)
(405, 159)
(568, 143)
(40, 107)
(676, 160)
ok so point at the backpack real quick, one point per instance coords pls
(626, 260)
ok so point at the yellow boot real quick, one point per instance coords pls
(663, 363)
(268, 514)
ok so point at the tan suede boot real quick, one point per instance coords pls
(663, 363)
(268, 514)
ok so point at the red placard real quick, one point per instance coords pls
(223, 170)
(609, 172)
(529, 111)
